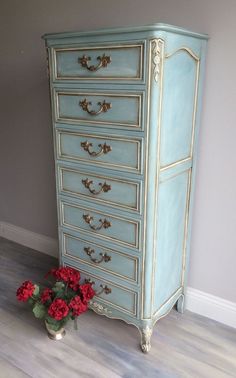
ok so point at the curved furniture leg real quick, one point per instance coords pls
(180, 304)
(146, 333)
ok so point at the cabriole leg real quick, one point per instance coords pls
(146, 333)
(180, 304)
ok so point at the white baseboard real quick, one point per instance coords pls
(29, 239)
(196, 301)
(211, 306)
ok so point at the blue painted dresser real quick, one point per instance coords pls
(125, 112)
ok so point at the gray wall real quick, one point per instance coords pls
(26, 160)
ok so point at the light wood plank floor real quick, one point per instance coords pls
(182, 345)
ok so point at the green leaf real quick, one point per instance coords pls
(59, 286)
(55, 325)
(36, 290)
(31, 301)
(39, 310)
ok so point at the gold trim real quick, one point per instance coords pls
(136, 184)
(187, 50)
(197, 60)
(139, 97)
(176, 163)
(141, 46)
(186, 226)
(161, 73)
(177, 292)
(109, 250)
(120, 287)
(139, 143)
(118, 241)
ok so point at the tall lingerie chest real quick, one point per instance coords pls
(125, 112)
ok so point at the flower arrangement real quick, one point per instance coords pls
(65, 299)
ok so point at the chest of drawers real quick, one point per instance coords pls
(125, 111)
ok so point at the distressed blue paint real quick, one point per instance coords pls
(125, 267)
(178, 106)
(170, 230)
(125, 153)
(147, 207)
(121, 192)
(124, 111)
(126, 63)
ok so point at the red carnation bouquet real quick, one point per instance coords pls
(65, 299)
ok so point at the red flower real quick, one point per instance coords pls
(58, 309)
(46, 295)
(68, 275)
(25, 291)
(87, 292)
(77, 306)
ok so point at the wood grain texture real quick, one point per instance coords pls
(182, 345)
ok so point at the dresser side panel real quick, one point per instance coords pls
(175, 203)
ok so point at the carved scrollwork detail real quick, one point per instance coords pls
(146, 334)
(157, 51)
(97, 307)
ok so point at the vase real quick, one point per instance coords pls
(55, 335)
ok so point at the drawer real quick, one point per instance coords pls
(111, 152)
(104, 189)
(101, 225)
(120, 62)
(101, 258)
(104, 109)
(116, 296)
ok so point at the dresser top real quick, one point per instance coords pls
(133, 29)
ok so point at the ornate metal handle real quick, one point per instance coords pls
(104, 223)
(104, 148)
(104, 107)
(104, 187)
(104, 257)
(103, 62)
(104, 288)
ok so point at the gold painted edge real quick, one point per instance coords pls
(124, 255)
(139, 143)
(136, 184)
(141, 46)
(120, 287)
(140, 96)
(136, 224)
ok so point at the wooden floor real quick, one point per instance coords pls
(182, 345)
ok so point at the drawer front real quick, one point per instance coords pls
(118, 297)
(104, 109)
(101, 258)
(103, 226)
(103, 189)
(119, 62)
(113, 152)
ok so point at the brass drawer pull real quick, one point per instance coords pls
(104, 223)
(104, 107)
(104, 257)
(104, 148)
(104, 188)
(103, 62)
(104, 288)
